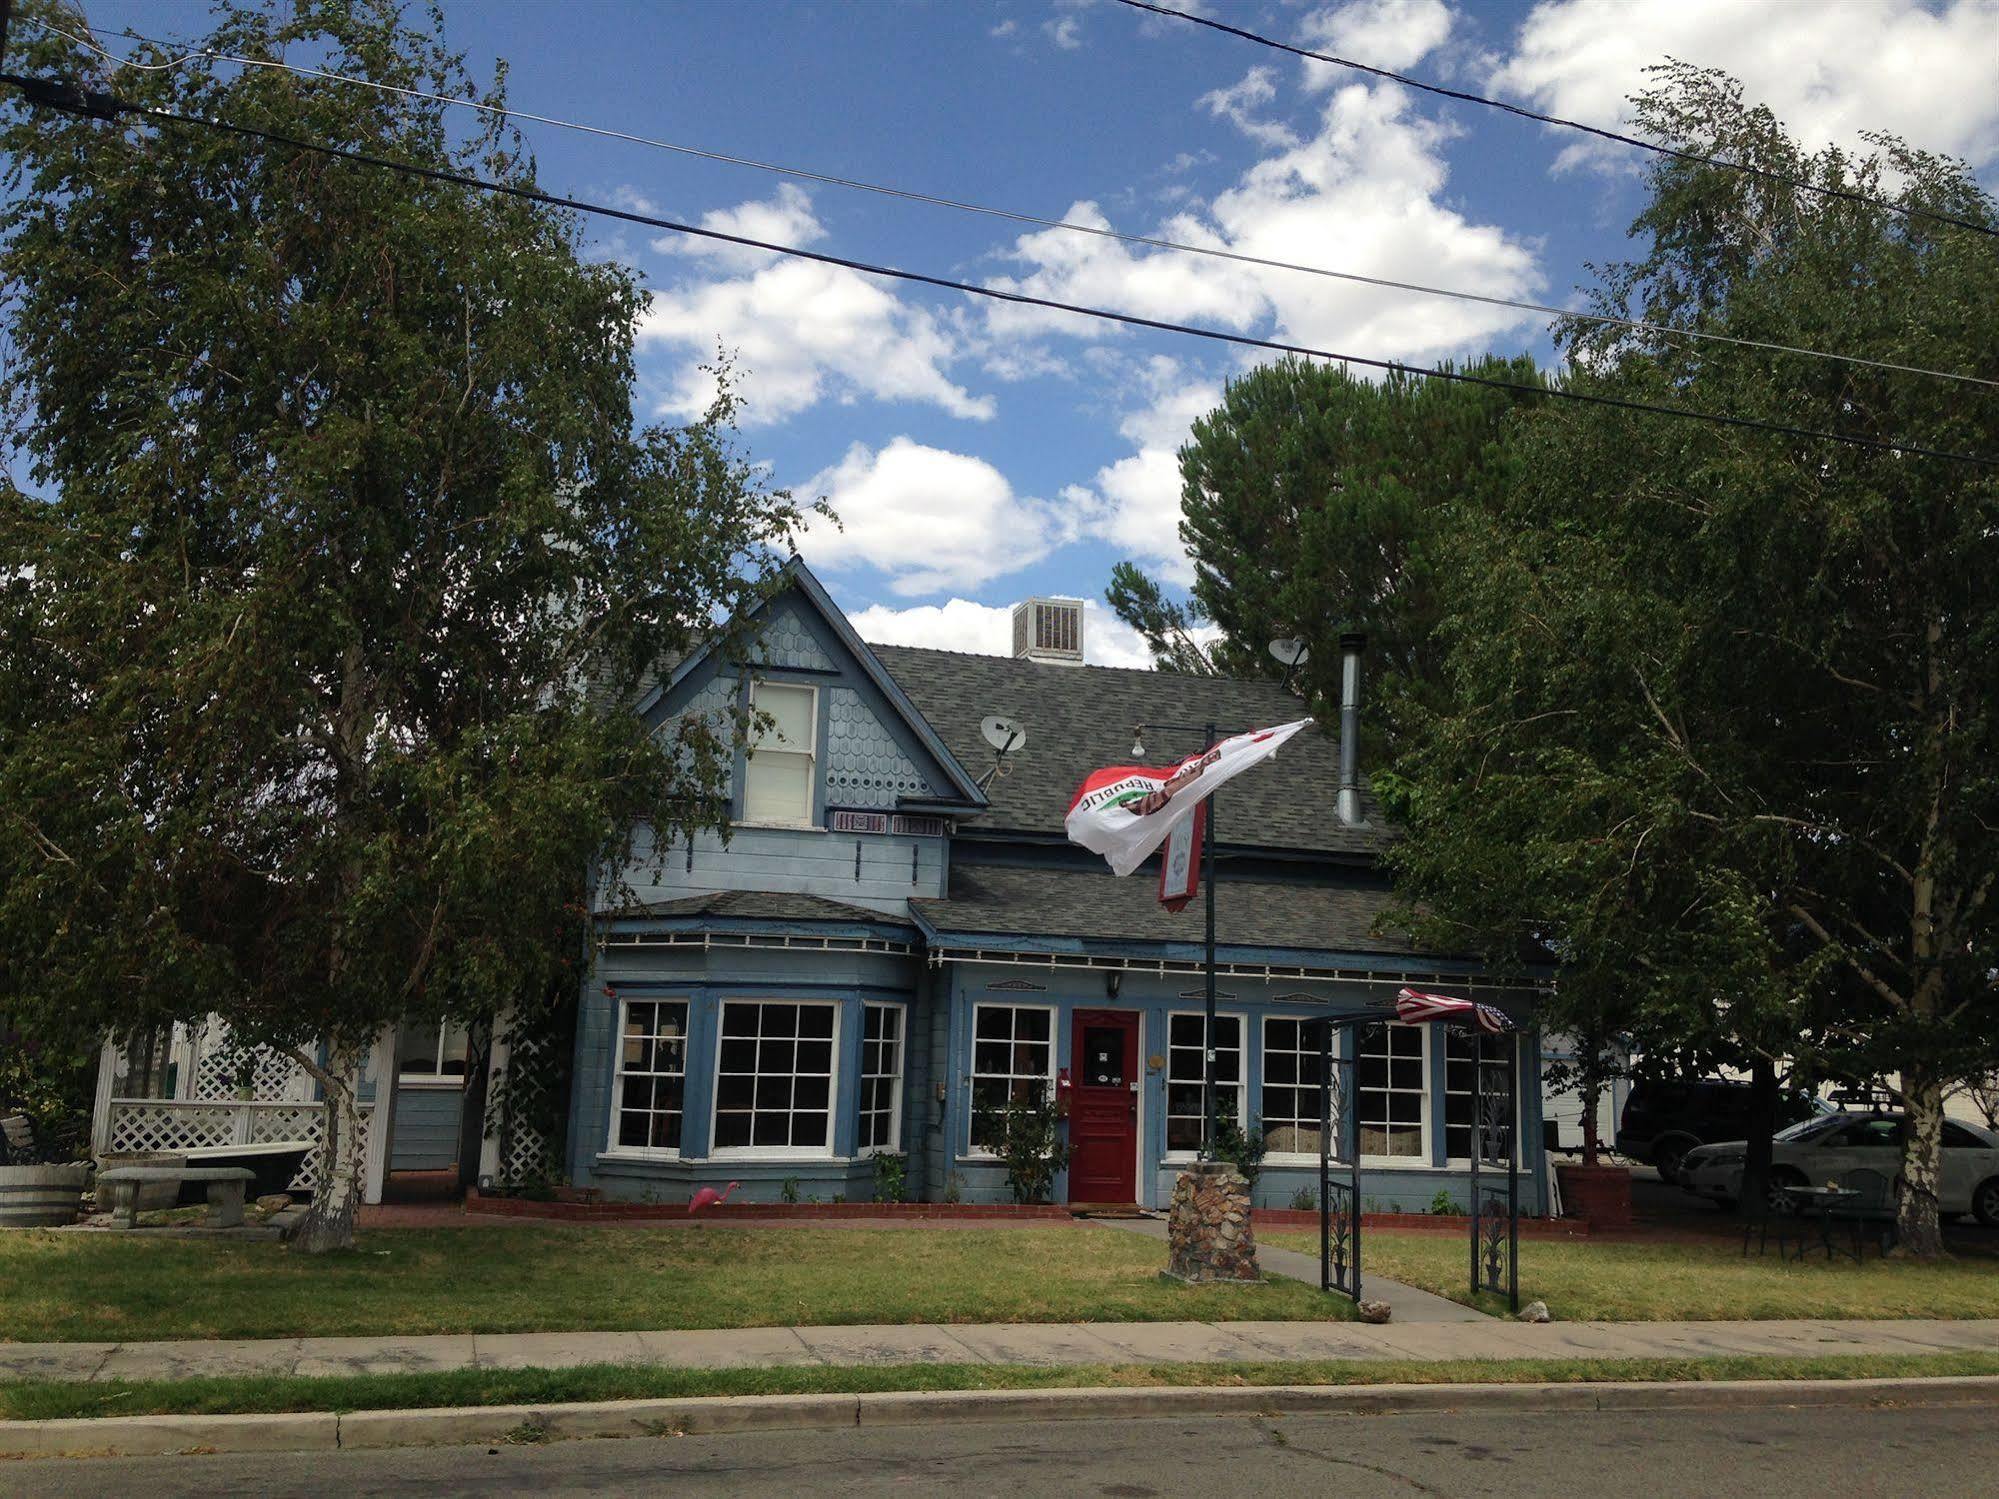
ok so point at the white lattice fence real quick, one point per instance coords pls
(171, 1125)
(530, 1088)
(218, 1073)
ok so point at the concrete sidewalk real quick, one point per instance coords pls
(1006, 1343)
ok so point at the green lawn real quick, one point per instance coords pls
(1584, 1281)
(48, 1399)
(100, 1287)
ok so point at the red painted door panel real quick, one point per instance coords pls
(1103, 1107)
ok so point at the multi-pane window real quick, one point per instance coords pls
(432, 1053)
(1462, 1053)
(651, 1079)
(1186, 1072)
(774, 1077)
(881, 1079)
(1013, 1057)
(1291, 1081)
(778, 778)
(1393, 1091)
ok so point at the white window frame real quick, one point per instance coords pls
(893, 1145)
(1307, 1047)
(826, 1152)
(1241, 1084)
(973, 1152)
(647, 1152)
(1423, 1160)
(810, 754)
(437, 1077)
(1463, 1163)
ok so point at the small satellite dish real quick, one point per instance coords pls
(1289, 650)
(1003, 733)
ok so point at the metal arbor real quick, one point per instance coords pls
(1493, 1149)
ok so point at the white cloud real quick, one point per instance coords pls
(1064, 32)
(786, 219)
(1827, 70)
(1004, 29)
(987, 630)
(1364, 193)
(1392, 34)
(803, 332)
(928, 518)
(1135, 504)
(1239, 102)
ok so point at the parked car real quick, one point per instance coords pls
(1852, 1150)
(1663, 1121)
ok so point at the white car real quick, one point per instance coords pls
(1855, 1150)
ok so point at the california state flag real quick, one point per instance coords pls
(1124, 812)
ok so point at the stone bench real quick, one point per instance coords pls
(225, 1184)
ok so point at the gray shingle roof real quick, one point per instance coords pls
(1039, 902)
(766, 905)
(1081, 717)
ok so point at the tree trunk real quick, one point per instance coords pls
(336, 1196)
(1918, 1230)
(1591, 1088)
(1762, 1125)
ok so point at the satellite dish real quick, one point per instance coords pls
(1003, 733)
(1289, 650)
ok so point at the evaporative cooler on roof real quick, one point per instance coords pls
(1049, 630)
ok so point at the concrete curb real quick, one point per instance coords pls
(149, 1436)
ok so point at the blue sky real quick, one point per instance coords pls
(979, 456)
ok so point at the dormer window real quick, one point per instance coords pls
(780, 775)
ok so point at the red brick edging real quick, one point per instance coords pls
(613, 1212)
(569, 1209)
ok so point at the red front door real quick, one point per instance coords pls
(1103, 1107)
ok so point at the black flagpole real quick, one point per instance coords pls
(1208, 1122)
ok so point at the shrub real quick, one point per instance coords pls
(1242, 1149)
(1304, 1200)
(891, 1178)
(1023, 1135)
(1446, 1206)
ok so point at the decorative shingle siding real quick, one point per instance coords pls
(786, 640)
(864, 765)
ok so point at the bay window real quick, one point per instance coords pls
(774, 1078)
(880, 1126)
(649, 1085)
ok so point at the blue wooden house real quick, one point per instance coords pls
(897, 933)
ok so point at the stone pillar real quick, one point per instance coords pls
(1208, 1232)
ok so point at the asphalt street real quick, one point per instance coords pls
(1772, 1454)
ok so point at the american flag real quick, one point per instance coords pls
(1415, 1007)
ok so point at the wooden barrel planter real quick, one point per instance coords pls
(41, 1196)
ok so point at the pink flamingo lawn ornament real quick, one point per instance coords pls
(707, 1197)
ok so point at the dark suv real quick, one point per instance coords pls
(1663, 1121)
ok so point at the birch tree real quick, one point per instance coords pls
(338, 530)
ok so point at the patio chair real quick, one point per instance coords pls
(1761, 1220)
(1871, 1215)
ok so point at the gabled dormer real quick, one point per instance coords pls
(846, 792)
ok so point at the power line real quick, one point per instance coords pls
(61, 94)
(1846, 194)
(1102, 232)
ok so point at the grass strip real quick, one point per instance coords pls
(239, 1395)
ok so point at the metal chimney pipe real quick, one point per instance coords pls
(1352, 644)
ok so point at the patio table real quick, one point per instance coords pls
(1818, 1203)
